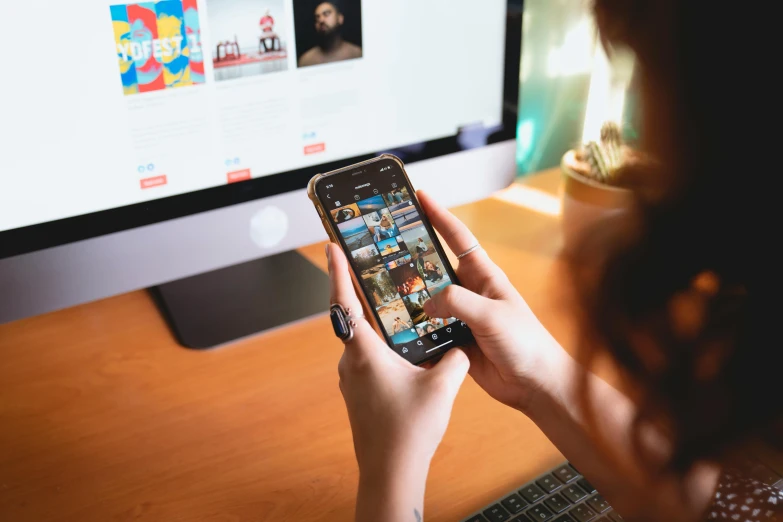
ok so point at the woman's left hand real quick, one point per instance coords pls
(398, 412)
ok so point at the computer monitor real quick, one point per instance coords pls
(149, 142)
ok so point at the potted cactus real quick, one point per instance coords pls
(592, 187)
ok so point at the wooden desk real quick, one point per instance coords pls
(103, 417)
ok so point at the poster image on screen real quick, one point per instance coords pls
(432, 325)
(327, 32)
(381, 225)
(248, 38)
(368, 261)
(408, 279)
(432, 272)
(373, 204)
(355, 233)
(418, 240)
(403, 259)
(381, 289)
(158, 45)
(425, 328)
(397, 322)
(395, 196)
(414, 303)
(405, 215)
(391, 246)
(346, 213)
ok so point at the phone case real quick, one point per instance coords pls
(332, 232)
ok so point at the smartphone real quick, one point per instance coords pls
(370, 209)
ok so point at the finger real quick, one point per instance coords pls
(341, 284)
(456, 235)
(342, 292)
(452, 368)
(457, 301)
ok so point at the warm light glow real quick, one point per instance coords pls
(531, 199)
(573, 57)
(606, 98)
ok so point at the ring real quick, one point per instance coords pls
(343, 321)
(469, 251)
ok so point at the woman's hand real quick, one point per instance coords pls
(517, 357)
(398, 412)
(520, 364)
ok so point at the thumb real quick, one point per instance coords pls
(452, 369)
(459, 302)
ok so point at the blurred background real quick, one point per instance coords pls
(568, 85)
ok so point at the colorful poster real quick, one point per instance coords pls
(122, 40)
(193, 34)
(158, 45)
(144, 32)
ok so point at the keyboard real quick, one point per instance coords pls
(564, 495)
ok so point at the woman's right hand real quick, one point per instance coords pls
(517, 357)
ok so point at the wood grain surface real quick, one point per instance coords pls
(103, 417)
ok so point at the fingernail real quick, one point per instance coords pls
(327, 252)
(429, 308)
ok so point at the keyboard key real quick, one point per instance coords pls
(476, 518)
(548, 483)
(520, 518)
(532, 493)
(586, 486)
(598, 503)
(539, 512)
(573, 493)
(582, 513)
(557, 503)
(615, 516)
(603, 519)
(565, 473)
(563, 518)
(574, 468)
(496, 513)
(513, 503)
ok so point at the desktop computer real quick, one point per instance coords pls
(167, 144)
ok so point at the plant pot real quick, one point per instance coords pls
(586, 203)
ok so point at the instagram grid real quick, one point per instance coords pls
(396, 258)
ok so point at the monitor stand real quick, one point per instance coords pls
(215, 308)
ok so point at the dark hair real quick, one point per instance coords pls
(333, 3)
(684, 295)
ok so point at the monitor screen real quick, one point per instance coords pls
(148, 107)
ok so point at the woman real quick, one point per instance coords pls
(400, 325)
(682, 296)
(386, 229)
(421, 248)
(432, 272)
(436, 322)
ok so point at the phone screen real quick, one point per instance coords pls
(395, 254)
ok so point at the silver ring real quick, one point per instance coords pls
(469, 251)
(352, 318)
(343, 321)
